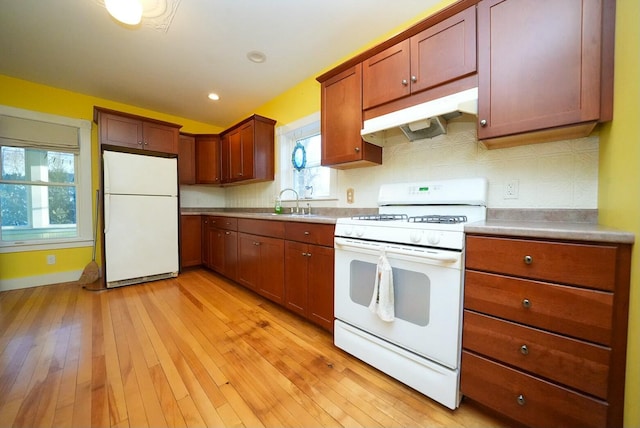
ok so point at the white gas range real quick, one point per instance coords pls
(419, 231)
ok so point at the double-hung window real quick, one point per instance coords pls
(45, 181)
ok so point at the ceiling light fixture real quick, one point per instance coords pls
(126, 11)
(256, 56)
(214, 97)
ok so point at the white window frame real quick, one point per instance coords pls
(84, 217)
(287, 137)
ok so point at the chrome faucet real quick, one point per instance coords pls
(297, 197)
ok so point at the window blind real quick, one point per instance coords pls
(20, 132)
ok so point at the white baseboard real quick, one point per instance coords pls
(36, 281)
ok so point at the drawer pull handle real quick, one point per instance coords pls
(521, 400)
(526, 303)
(528, 260)
(524, 350)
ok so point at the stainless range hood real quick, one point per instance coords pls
(425, 120)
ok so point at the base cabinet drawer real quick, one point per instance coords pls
(574, 363)
(576, 312)
(527, 399)
(586, 265)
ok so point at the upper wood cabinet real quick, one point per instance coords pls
(248, 151)
(187, 159)
(341, 122)
(208, 159)
(544, 69)
(441, 53)
(127, 130)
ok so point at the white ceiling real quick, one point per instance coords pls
(76, 45)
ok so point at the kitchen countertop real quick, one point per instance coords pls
(313, 218)
(517, 226)
(551, 230)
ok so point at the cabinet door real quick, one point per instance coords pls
(235, 156)
(190, 240)
(207, 159)
(248, 260)
(231, 254)
(271, 268)
(320, 276)
(225, 152)
(216, 249)
(385, 76)
(205, 241)
(247, 151)
(341, 122)
(187, 159)
(295, 281)
(120, 131)
(444, 52)
(160, 138)
(538, 64)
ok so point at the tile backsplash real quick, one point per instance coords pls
(557, 175)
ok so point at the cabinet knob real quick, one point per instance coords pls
(308, 254)
(304, 254)
(357, 149)
(227, 233)
(520, 399)
(528, 259)
(306, 232)
(483, 122)
(404, 82)
(140, 143)
(414, 79)
(524, 350)
(526, 303)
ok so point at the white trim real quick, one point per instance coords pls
(36, 281)
(84, 214)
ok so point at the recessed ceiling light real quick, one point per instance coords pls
(256, 56)
(214, 97)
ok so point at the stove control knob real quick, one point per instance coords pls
(433, 238)
(348, 230)
(416, 236)
(359, 232)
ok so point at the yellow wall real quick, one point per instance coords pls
(619, 177)
(46, 99)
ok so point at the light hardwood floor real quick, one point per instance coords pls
(192, 351)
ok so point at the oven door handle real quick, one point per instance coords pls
(441, 257)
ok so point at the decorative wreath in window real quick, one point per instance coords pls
(299, 157)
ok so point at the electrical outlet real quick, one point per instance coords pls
(51, 259)
(511, 189)
(350, 192)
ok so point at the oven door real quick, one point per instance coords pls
(427, 296)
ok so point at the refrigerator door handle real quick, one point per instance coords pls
(107, 211)
(106, 176)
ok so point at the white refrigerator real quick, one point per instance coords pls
(140, 218)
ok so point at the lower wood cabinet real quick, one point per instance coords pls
(309, 282)
(261, 263)
(289, 263)
(545, 329)
(309, 267)
(190, 241)
(221, 245)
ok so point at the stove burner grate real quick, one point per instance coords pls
(448, 219)
(382, 217)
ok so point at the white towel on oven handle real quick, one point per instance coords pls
(382, 302)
